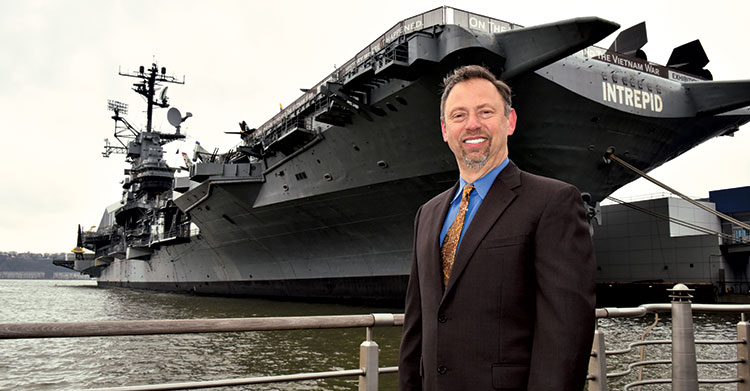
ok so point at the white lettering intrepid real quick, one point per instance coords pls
(631, 97)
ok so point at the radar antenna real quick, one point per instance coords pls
(150, 79)
(109, 149)
(150, 82)
(123, 129)
(176, 119)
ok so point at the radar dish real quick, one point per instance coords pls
(174, 117)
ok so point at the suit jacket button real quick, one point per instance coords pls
(442, 369)
(442, 318)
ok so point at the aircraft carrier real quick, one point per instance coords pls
(318, 202)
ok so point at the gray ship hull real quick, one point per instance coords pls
(339, 246)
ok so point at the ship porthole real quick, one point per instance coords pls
(285, 187)
(382, 164)
(328, 177)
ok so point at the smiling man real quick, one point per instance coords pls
(501, 292)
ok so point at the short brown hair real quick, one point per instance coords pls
(469, 72)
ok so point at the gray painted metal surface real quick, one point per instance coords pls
(318, 202)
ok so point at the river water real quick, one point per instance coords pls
(83, 363)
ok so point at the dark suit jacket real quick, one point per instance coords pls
(518, 310)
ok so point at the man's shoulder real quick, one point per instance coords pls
(542, 182)
(518, 180)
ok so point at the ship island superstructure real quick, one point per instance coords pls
(318, 202)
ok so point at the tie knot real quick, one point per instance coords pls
(467, 190)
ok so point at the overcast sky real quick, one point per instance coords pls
(241, 59)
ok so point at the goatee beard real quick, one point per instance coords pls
(476, 164)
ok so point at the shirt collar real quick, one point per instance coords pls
(483, 184)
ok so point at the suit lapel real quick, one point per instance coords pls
(434, 224)
(498, 198)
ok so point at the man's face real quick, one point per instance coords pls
(476, 128)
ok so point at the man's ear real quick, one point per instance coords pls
(442, 128)
(512, 118)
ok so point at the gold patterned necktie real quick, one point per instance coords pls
(450, 242)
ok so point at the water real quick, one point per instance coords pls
(82, 363)
(622, 331)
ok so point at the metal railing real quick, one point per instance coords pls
(367, 372)
(684, 361)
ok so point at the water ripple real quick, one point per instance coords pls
(69, 363)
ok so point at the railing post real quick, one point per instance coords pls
(743, 354)
(684, 364)
(598, 363)
(368, 354)
(368, 361)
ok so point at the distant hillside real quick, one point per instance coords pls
(30, 264)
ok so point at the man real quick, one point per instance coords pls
(501, 293)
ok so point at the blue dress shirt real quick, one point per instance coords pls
(481, 187)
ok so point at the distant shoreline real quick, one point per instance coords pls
(25, 275)
(33, 266)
